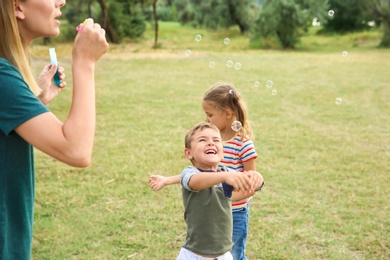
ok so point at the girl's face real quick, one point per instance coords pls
(220, 118)
(38, 18)
(206, 149)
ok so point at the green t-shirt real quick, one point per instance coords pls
(208, 214)
(17, 105)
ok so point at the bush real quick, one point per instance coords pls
(127, 20)
(279, 19)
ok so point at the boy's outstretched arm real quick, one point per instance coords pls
(157, 182)
(204, 180)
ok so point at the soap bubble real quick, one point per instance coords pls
(274, 92)
(226, 41)
(212, 64)
(269, 83)
(338, 101)
(188, 52)
(198, 38)
(236, 126)
(237, 66)
(344, 54)
(331, 13)
(256, 84)
(229, 63)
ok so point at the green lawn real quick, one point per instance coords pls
(326, 165)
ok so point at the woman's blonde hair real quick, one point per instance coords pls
(225, 96)
(12, 47)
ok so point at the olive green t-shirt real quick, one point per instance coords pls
(208, 215)
(17, 105)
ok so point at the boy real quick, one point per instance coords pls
(207, 195)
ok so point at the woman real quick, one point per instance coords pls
(26, 122)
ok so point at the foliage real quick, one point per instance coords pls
(313, 9)
(216, 14)
(349, 15)
(75, 13)
(185, 15)
(126, 19)
(280, 25)
(286, 27)
(80, 10)
(165, 11)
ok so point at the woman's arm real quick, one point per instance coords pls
(72, 141)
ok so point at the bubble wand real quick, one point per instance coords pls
(53, 60)
(80, 27)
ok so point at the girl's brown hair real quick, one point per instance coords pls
(226, 96)
(11, 44)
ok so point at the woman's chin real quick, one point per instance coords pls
(54, 33)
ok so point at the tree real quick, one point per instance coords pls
(106, 21)
(216, 14)
(120, 18)
(127, 19)
(348, 15)
(239, 13)
(284, 21)
(154, 16)
(313, 9)
(281, 20)
(381, 8)
(155, 23)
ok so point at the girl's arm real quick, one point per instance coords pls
(250, 165)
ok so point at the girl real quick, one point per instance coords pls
(225, 108)
(25, 121)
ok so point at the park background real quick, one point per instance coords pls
(322, 133)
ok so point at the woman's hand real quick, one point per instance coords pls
(46, 83)
(90, 44)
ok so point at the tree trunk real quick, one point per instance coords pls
(236, 19)
(46, 40)
(106, 22)
(155, 23)
(385, 42)
(381, 9)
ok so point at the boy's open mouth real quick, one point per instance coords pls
(211, 151)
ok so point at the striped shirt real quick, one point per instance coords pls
(236, 153)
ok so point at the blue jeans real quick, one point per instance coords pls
(240, 232)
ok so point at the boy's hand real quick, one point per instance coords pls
(240, 182)
(157, 182)
(256, 179)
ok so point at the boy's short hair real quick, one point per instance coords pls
(196, 128)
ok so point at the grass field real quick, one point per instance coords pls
(326, 165)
